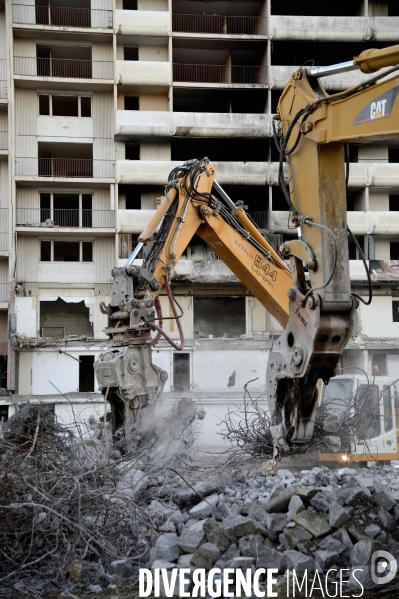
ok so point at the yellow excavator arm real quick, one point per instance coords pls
(317, 311)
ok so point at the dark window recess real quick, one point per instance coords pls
(219, 316)
(340, 8)
(45, 212)
(129, 4)
(65, 105)
(394, 250)
(132, 151)
(395, 311)
(393, 154)
(4, 413)
(133, 199)
(393, 8)
(394, 203)
(66, 251)
(3, 373)
(181, 372)
(86, 374)
(87, 251)
(380, 364)
(87, 215)
(44, 105)
(131, 103)
(279, 202)
(45, 251)
(130, 53)
(85, 106)
(236, 150)
(354, 253)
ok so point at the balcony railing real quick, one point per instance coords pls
(85, 218)
(219, 24)
(211, 73)
(63, 67)
(86, 168)
(3, 140)
(3, 78)
(260, 219)
(3, 230)
(4, 290)
(61, 16)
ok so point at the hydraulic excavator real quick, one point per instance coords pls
(311, 297)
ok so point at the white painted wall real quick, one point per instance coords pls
(65, 129)
(26, 312)
(56, 272)
(376, 319)
(143, 22)
(143, 73)
(59, 368)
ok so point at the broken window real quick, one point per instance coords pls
(65, 105)
(86, 374)
(379, 364)
(66, 251)
(219, 316)
(181, 372)
(61, 319)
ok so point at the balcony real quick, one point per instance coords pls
(68, 168)
(3, 140)
(261, 219)
(150, 23)
(219, 24)
(58, 16)
(3, 79)
(4, 289)
(63, 68)
(219, 74)
(82, 219)
(165, 124)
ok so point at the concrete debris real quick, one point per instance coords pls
(317, 520)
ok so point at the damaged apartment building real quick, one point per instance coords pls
(98, 102)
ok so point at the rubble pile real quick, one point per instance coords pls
(318, 520)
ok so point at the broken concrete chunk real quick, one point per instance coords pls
(342, 535)
(372, 530)
(122, 568)
(270, 558)
(332, 424)
(280, 502)
(387, 520)
(338, 515)
(313, 523)
(296, 535)
(295, 560)
(382, 497)
(332, 443)
(321, 501)
(362, 576)
(326, 559)
(275, 523)
(355, 496)
(205, 508)
(206, 556)
(214, 533)
(221, 512)
(242, 563)
(238, 526)
(362, 552)
(184, 560)
(331, 544)
(356, 531)
(250, 545)
(190, 540)
(167, 547)
(285, 474)
(213, 484)
(295, 506)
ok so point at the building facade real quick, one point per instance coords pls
(98, 102)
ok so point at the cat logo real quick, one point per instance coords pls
(379, 108)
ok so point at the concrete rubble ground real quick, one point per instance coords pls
(318, 519)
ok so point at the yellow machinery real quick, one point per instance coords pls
(311, 131)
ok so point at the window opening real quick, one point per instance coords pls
(66, 251)
(86, 374)
(4, 413)
(132, 151)
(395, 310)
(130, 53)
(219, 316)
(131, 103)
(60, 319)
(181, 372)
